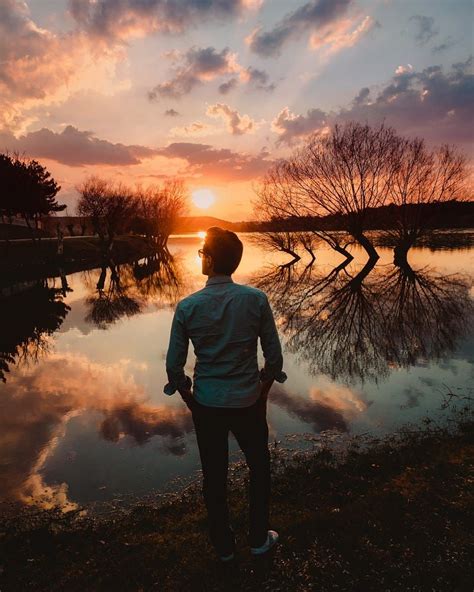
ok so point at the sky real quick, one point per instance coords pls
(214, 91)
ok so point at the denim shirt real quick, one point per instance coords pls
(224, 321)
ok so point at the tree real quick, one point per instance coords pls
(159, 208)
(9, 184)
(344, 173)
(422, 178)
(108, 205)
(27, 189)
(115, 208)
(92, 203)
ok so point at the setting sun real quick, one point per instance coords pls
(203, 198)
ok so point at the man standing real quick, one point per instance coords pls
(224, 321)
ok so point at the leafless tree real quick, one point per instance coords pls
(422, 178)
(356, 327)
(108, 205)
(344, 173)
(94, 192)
(159, 208)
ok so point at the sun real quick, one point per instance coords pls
(203, 198)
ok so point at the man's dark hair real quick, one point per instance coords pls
(225, 248)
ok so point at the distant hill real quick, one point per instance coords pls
(197, 223)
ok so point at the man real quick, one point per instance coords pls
(224, 321)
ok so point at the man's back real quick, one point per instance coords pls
(223, 322)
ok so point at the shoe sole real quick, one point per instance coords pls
(254, 551)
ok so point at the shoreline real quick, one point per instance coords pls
(374, 514)
(27, 261)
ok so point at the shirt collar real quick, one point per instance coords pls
(219, 279)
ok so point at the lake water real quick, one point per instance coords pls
(83, 416)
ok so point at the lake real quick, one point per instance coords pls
(83, 416)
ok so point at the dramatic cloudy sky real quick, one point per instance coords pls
(213, 90)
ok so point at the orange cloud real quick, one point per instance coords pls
(38, 67)
(236, 124)
(38, 402)
(341, 35)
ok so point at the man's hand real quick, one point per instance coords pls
(265, 387)
(187, 396)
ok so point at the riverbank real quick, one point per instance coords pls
(389, 514)
(25, 260)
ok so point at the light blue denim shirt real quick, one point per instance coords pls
(224, 321)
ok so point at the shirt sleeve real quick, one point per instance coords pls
(177, 355)
(271, 346)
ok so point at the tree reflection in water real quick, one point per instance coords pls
(356, 326)
(36, 310)
(124, 290)
(27, 320)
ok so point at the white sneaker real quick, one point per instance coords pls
(272, 539)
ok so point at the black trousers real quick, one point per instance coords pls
(249, 426)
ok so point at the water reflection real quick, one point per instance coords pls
(123, 290)
(344, 322)
(331, 408)
(358, 325)
(37, 404)
(28, 317)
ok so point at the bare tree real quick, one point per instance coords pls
(342, 174)
(159, 208)
(422, 179)
(108, 205)
(92, 203)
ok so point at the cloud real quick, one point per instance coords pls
(204, 64)
(195, 129)
(117, 20)
(226, 87)
(292, 128)
(257, 78)
(38, 402)
(171, 113)
(332, 407)
(198, 65)
(403, 69)
(425, 28)
(432, 103)
(237, 124)
(74, 148)
(341, 35)
(310, 17)
(362, 96)
(38, 67)
(219, 164)
(444, 46)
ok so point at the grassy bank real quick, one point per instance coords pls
(382, 515)
(25, 260)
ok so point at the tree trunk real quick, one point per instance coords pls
(30, 229)
(343, 251)
(367, 245)
(103, 275)
(400, 254)
(295, 256)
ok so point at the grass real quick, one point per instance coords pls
(390, 514)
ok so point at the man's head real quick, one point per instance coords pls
(222, 252)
